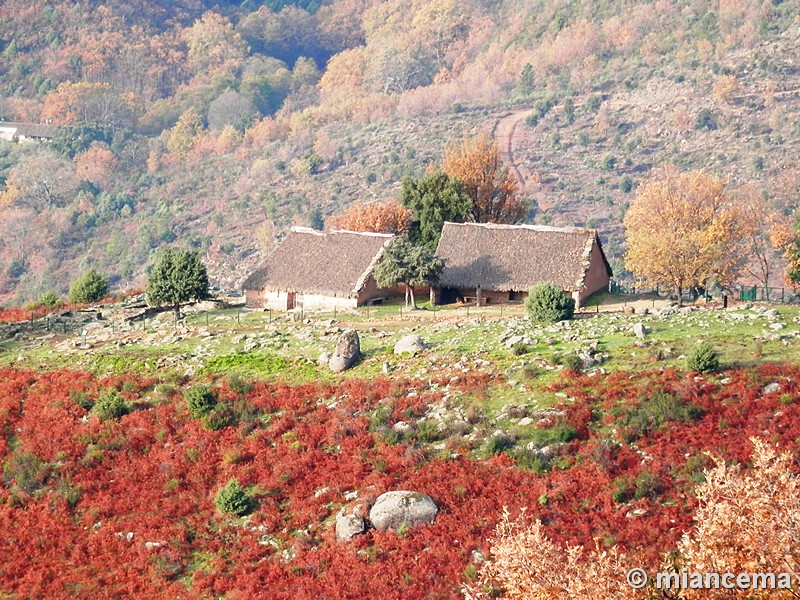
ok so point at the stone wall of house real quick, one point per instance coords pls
(320, 302)
(596, 276)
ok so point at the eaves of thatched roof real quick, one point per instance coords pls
(30, 130)
(514, 257)
(330, 263)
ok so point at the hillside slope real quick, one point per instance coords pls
(220, 129)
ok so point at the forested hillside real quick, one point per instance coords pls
(218, 125)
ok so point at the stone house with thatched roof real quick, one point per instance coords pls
(492, 263)
(27, 132)
(318, 270)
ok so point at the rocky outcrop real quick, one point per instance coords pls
(346, 353)
(410, 344)
(393, 509)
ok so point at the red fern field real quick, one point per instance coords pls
(122, 506)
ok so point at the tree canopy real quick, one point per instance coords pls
(433, 199)
(178, 276)
(91, 286)
(491, 187)
(408, 264)
(683, 231)
(377, 217)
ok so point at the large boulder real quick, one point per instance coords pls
(410, 344)
(393, 509)
(639, 330)
(346, 353)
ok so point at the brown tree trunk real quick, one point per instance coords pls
(413, 300)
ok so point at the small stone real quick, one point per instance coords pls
(639, 330)
(771, 388)
(349, 526)
(410, 344)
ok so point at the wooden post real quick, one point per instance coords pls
(478, 296)
(206, 318)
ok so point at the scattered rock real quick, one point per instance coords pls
(401, 427)
(346, 353)
(771, 313)
(639, 330)
(410, 344)
(772, 388)
(349, 526)
(324, 359)
(514, 340)
(393, 509)
(777, 326)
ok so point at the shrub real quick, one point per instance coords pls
(547, 303)
(200, 400)
(91, 286)
(233, 499)
(703, 358)
(520, 348)
(706, 120)
(48, 299)
(626, 184)
(110, 406)
(608, 162)
(572, 362)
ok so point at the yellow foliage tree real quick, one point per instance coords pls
(377, 217)
(491, 187)
(184, 134)
(683, 231)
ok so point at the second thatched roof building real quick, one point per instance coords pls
(318, 270)
(491, 263)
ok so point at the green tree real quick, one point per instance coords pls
(201, 400)
(433, 199)
(177, 277)
(91, 286)
(409, 264)
(527, 79)
(546, 302)
(110, 406)
(233, 499)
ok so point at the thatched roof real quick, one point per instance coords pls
(514, 257)
(31, 130)
(331, 263)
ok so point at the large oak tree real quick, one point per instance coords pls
(488, 183)
(683, 231)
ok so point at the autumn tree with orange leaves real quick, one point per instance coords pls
(491, 187)
(377, 217)
(683, 231)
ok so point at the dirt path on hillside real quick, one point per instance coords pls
(503, 133)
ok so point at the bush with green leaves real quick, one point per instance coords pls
(110, 406)
(233, 499)
(572, 363)
(547, 303)
(48, 299)
(703, 358)
(91, 286)
(201, 400)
